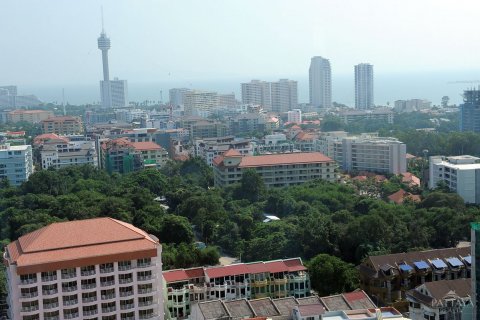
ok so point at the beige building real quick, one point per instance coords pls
(257, 92)
(87, 269)
(62, 125)
(276, 170)
(200, 103)
(151, 153)
(284, 95)
(30, 116)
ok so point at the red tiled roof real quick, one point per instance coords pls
(218, 160)
(230, 270)
(310, 310)
(286, 158)
(48, 136)
(294, 265)
(146, 146)
(400, 196)
(232, 153)
(276, 266)
(195, 273)
(175, 275)
(257, 267)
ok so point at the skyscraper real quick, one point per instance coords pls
(364, 86)
(284, 95)
(257, 92)
(113, 93)
(320, 78)
(470, 111)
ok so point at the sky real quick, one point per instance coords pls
(54, 42)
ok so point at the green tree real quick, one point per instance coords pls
(251, 186)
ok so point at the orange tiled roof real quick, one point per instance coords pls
(28, 111)
(147, 145)
(286, 158)
(400, 196)
(48, 136)
(232, 153)
(77, 243)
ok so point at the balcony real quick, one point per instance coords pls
(49, 292)
(29, 295)
(145, 303)
(147, 316)
(70, 302)
(85, 273)
(69, 275)
(107, 283)
(71, 315)
(124, 268)
(126, 306)
(109, 309)
(144, 278)
(90, 312)
(30, 308)
(128, 318)
(145, 291)
(50, 305)
(89, 299)
(126, 293)
(49, 278)
(89, 286)
(123, 281)
(106, 270)
(280, 281)
(52, 318)
(69, 289)
(28, 281)
(108, 296)
(259, 283)
(144, 265)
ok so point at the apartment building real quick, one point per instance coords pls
(62, 125)
(247, 122)
(274, 143)
(388, 277)
(200, 103)
(62, 151)
(380, 155)
(275, 279)
(16, 163)
(459, 173)
(30, 116)
(295, 116)
(202, 128)
(373, 115)
(118, 155)
(441, 300)
(276, 170)
(177, 96)
(257, 92)
(209, 148)
(87, 269)
(151, 154)
(284, 95)
(411, 105)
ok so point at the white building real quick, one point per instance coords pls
(295, 116)
(114, 93)
(411, 105)
(284, 95)
(381, 155)
(209, 148)
(320, 81)
(177, 96)
(87, 269)
(16, 163)
(64, 153)
(200, 103)
(364, 86)
(258, 93)
(385, 115)
(459, 173)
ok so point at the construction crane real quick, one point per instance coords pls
(463, 81)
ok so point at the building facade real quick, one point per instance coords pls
(373, 115)
(16, 163)
(320, 82)
(257, 92)
(30, 116)
(295, 116)
(284, 95)
(460, 173)
(151, 154)
(364, 86)
(86, 269)
(276, 170)
(60, 153)
(275, 279)
(62, 125)
(200, 103)
(470, 111)
(209, 148)
(177, 95)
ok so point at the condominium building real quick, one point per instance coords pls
(30, 116)
(118, 155)
(411, 105)
(114, 93)
(275, 279)
(151, 154)
(364, 86)
(372, 115)
(61, 151)
(177, 96)
(441, 300)
(276, 170)
(247, 122)
(387, 278)
(295, 116)
(199, 128)
(16, 163)
(459, 174)
(62, 125)
(380, 155)
(87, 269)
(320, 82)
(258, 93)
(227, 99)
(200, 103)
(470, 111)
(209, 148)
(284, 95)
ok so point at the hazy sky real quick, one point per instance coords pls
(54, 42)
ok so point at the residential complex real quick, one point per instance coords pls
(372, 115)
(364, 86)
(16, 163)
(284, 95)
(258, 93)
(295, 116)
(459, 173)
(151, 154)
(275, 279)
(209, 148)
(320, 82)
(30, 116)
(62, 125)
(411, 105)
(177, 96)
(276, 170)
(87, 269)
(470, 111)
(387, 278)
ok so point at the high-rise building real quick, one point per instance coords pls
(177, 95)
(257, 92)
(284, 95)
(364, 86)
(113, 93)
(470, 111)
(200, 103)
(320, 80)
(16, 163)
(86, 269)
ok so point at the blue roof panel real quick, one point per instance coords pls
(421, 265)
(439, 264)
(468, 259)
(405, 267)
(455, 262)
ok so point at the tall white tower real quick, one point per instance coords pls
(104, 45)
(320, 78)
(364, 86)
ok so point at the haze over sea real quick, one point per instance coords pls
(388, 87)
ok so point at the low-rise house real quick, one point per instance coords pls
(401, 195)
(151, 154)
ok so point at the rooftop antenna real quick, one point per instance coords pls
(101, 9)
(63, 102)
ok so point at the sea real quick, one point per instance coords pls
(387, 88)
